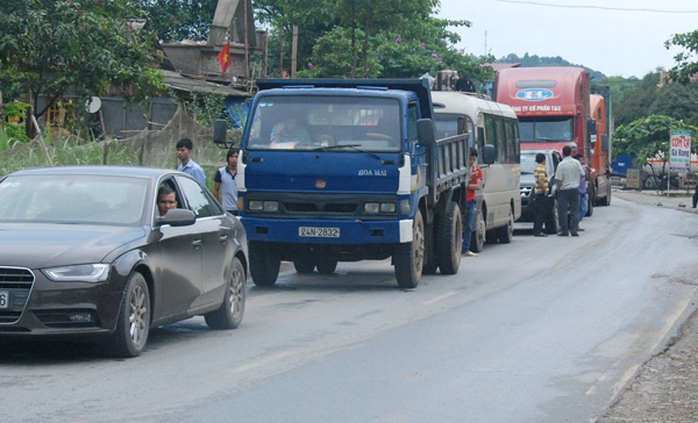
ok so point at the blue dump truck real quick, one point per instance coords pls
(349, 170)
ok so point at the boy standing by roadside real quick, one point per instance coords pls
(540, 195)
(474, 185)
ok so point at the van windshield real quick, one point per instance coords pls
(314, 122)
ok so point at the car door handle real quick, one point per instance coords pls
(223, 239)
(196, 244)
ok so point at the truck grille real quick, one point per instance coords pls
(18, 283)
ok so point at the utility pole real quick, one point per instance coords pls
(294, 52)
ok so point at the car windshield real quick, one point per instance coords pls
(317, 122)
(73, 199)
(528, 163)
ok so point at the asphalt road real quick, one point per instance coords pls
(541, 330)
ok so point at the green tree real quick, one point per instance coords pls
(648, 137)
(366, 39)
(176, 20)
(636, 101)
(89, 46)
(678, 101)
(686, 66)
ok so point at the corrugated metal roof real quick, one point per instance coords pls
(177, 81)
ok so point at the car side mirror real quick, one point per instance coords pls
(177, 217)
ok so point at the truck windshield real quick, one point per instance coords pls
(554, 129)
(311, 122)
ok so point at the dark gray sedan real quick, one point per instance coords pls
(90, 251)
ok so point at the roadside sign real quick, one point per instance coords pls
(632, 179)
(680, 151)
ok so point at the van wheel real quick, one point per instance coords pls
(133, 323)
(264, 263)
(449, 240)
(408, 258)
(506, 233)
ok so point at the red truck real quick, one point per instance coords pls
(557, 106)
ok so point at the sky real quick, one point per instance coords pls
(616, 37)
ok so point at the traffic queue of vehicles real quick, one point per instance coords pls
(329, 171)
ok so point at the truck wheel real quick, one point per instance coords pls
(408, 258)
(449, 240)
(606, 201)
(264, 263)
(506, 233)
(304, 265)
(326, 266)
(477, 242)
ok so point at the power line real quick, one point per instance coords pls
(622, 9)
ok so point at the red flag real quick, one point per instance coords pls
(224, 57)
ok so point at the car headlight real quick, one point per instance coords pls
(98, 272)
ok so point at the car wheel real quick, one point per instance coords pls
(230, 313)
(264, 263)
(551, 223)
(408, 257)
(506, 233)
(449, 240)
(133, 322)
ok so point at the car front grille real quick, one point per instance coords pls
(17, 282)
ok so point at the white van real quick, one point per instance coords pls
(487, 122)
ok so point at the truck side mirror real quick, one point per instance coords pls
(489, 152)
(426, 132)
(591, 123)
(220, 130)
(604, 142)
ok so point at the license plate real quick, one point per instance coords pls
(308, 231)
(4, 299)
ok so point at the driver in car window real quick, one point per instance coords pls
(167, 200)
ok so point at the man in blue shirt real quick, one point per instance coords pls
(184, 148)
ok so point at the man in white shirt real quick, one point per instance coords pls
(225, 187)
(567, 176)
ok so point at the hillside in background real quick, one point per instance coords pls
(536, 61)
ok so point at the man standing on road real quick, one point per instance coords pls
(569, 173)
(474, 185)
(540, 195)
(583, 197)
(184, 148)
(225, 179)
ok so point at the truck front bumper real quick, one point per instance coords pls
(315, 231)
